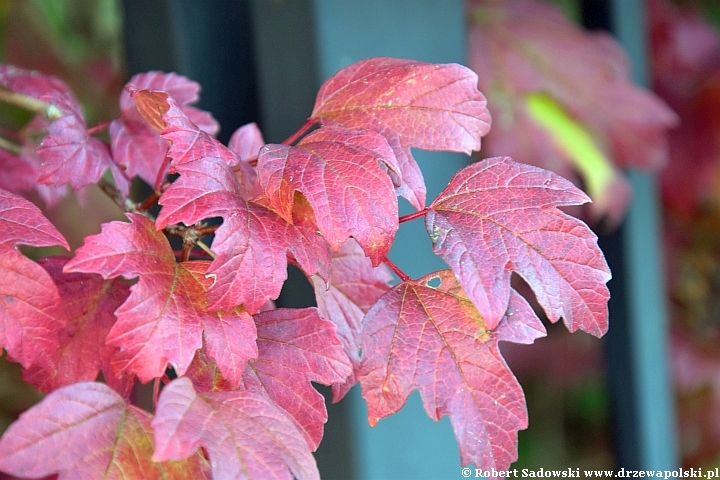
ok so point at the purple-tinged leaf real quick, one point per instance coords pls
(497, 217)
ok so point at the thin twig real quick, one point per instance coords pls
(396, 270)
(148, 202)
(156, 393)
(111, 191)
(205, 248)
(98, 128)
(301, 131)
(413, 216)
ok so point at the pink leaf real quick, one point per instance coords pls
(434, 340)
(354, 286)
(339, 173)
(29, 312)
(134, 143)
(524, 48)
(244, 433)
(72, 156)
(295, 347)
(413, 104)
(84, 432)
(89, 303)
(253, 239)
(497, 217)
(163, 319)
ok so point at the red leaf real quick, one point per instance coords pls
(434, 340)
(251, 262)
(164, 316)
(354, 286)
(413, 104)
(87, 431)
(134, 143)
(245, 434)
(339, 173)
(295, 347)
(189, 142)
(72, 156)
(29, 311)
(46, 88)
(497, 217)
(88, 302)
(246, 142)
(18, 174)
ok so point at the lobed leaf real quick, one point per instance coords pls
(353, 287)
(411, 103)
(188, 142)
(295, 347)
(340, 174)
(88, 303)
(69, 153)
(527, 48)
(251, 245)
(72, 156)
(135, 144)
(497, 217)
(162, 320)
(244, 433)
(29, 311)
(87, 431)
(432, 339)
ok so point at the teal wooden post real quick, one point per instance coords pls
(648, 318)
(408, 444)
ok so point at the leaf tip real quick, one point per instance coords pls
(152, 105)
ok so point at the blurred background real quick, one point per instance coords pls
(621, 96)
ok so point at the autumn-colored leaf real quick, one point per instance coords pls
(246, 142)
(244, 433)
(55, 98)
(88, 302)
(163, 319)
(86, 431)
(69, 153)
(523, 48)
(251, 244)
(354, 286)
(340, 173)
(29, 310)
(413, 104)
(497, 217)
(295, 347)
(426, 335)
(72, 156)
(135, 144)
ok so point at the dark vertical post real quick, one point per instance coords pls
(637, 339)
(654, 406)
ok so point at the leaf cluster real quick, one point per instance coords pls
(232, 373)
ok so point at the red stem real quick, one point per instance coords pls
(413, 216)
(98, 128)
(156, 393)
(301, 131)
(186, 250)
(396, 270)
(148, 202)
(206, 230)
